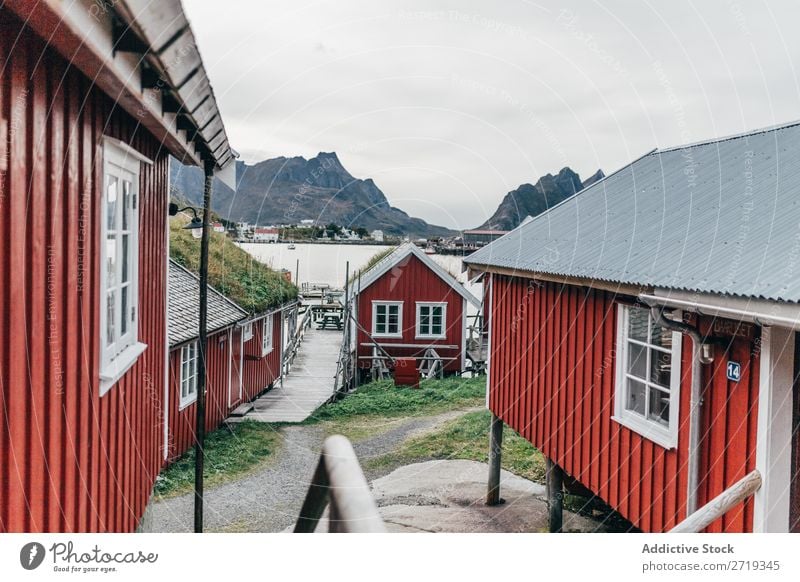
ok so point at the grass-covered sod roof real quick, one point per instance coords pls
(231, 270)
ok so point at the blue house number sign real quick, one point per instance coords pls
(734, 371)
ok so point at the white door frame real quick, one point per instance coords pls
(774, 434)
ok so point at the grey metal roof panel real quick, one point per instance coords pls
(716, 217)
(184, 307)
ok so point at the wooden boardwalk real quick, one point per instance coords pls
(308, 384)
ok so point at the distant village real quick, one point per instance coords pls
(308, 231)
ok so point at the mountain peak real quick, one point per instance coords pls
(289, 190)
(528, 200)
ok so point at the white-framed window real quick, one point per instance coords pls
(648, 376)
(266, 335)
(387, 318)
(431, 320)
(190, 354)
(247, 332)
(119, 260)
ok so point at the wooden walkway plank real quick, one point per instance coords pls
(309, 383)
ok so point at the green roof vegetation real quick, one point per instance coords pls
(376, 258)
(232, 271)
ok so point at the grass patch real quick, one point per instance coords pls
(230, 452)
(385, 400)
(232, 271)
(374, 260)
(467, 437)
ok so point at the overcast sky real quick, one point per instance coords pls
(448, 105)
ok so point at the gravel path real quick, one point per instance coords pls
(269, 499)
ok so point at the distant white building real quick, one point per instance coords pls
(307, 222)
(377, 235)
(218, 227)
(265, 234)
(348, 234)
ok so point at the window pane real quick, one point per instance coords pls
(636, 397)
(637, 360)
(424, 322)
(127, 200)
(436, 329)
(111, 204)
(659, 406)
(123, 328)
(111, 261)
(125, 275)
(394, 310)
(660, 336)
(437, 311)
(660, 367)
(111, 318)
(637, 323)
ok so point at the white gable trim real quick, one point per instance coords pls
(387, 263)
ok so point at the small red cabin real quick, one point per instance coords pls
(643, 333)
(222, 360)
(242, 361)
(407, 303)
(92, 102)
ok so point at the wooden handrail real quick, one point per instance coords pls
(720, 505)
(338, 480)
(297, 338)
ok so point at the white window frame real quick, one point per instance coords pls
(267, 328)
(666, 437)
(375, 305)
(247, 332)
(120, 161)
(419, 334)
(190, 356)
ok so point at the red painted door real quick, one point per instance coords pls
(235, 387)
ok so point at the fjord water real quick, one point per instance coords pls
(325, 263)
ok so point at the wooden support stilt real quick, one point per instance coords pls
(495, 458)
(555, 495)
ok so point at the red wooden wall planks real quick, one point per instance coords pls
(260, 372)
(411, 281)
(70, 460)
(552, 380)
(182, 420)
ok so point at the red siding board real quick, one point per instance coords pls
(569, 366)
(411, 281)
(71, 460)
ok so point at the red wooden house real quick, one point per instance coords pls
(223, 358)
(243, 358)
(643, 332)
(93, 99)
(406, 303)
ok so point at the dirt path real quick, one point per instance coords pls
(269, 499)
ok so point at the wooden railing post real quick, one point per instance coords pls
(555, 496)
(495, 459)
(338, 480)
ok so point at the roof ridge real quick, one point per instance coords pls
(731, 137)
(533, 219)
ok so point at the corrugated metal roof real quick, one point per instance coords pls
(716, 217)
(184, 307)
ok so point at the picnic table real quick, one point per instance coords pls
(330, 321)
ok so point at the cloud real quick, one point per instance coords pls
(448, 105)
